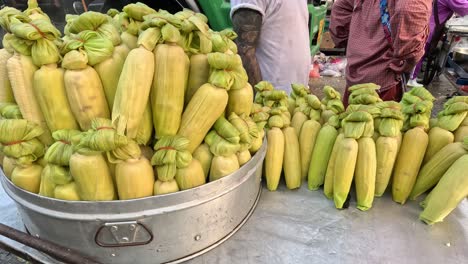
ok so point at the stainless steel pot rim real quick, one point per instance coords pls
(154, 204)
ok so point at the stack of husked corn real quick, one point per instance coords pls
(82, 113)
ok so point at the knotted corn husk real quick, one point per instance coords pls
(19, 140)
(10, 111)
(390, 119)
(261, 87)
(364, 94)
(95, 21)
(455, 111)
(170, 153)
(97, 47)
(35, 12)
(130, 20)
(60, 152)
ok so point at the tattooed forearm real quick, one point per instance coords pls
(247, 24)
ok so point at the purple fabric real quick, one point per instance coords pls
(446, 9)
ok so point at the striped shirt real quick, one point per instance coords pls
(356, 25)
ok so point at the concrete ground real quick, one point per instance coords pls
(441, 88)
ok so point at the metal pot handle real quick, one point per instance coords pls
(123, 234)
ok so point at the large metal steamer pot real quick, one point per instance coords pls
(167, 228)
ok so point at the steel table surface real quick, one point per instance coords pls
(302, 226)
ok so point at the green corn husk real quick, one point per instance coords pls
(453, 114)
(97, 47)
(390, 119)
(138, 11)
(220, 146)
(42, 34)
(365, 94)
(98, 22)
(448, 193)
(35, 12)
(227, 130)
(243, 128)
(102, 137)
(10, 111)
(6, 14)
(225, 70)
(261, 87)
(60, 152)
(330, 94)
(222, 41)
(170, 153)
(19, 140)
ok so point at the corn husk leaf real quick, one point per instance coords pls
(170, 154)
(60, 152)
(19, 140)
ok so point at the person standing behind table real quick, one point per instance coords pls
(382, 44)
(445, 10)
(273, 40)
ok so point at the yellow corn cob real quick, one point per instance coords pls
(49, 88)
(133, 91)
(21, 73)
(205, 107)
(461, 133)
(364, 176)
(449, 192)
(67, 192)
(438, 138)
(6, 94)
(274, 157)
(399, 140)
(330, 173)
(387, 150)
(27, 177)
(198, 74)
(86, 96)
(345, 163)
(433, 170)
(322, 149)
(190, 177)
(222, 166)
(204, 156)
(110, 70)
(47, 186)
(291, 159)
(134, 178)
(165, 187)
(169, 84)
(92, 177)
(240, 100)
(408, 163)
(298, 121)
(145, 128)
(8, 166)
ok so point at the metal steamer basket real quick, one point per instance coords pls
(167, 228)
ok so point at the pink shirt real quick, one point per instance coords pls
(356, 25)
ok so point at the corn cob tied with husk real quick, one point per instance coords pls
(170, 78)
(388, 127)
(448, 193)
(110, 69)
(56, 180)
(417, 105)
(211, 98)
(48, 81)
(331, 104)
(176, 168)
(308, 131)
(195, 39)
(6, 92)
(20, 144)
(21, 71)
(448, 121)
(82, 83)
(204, 156)
(130, 20)
(462, 131)
(130, 111)
(321, 156)
(433, 170)
(275, 102)
(224, 142)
